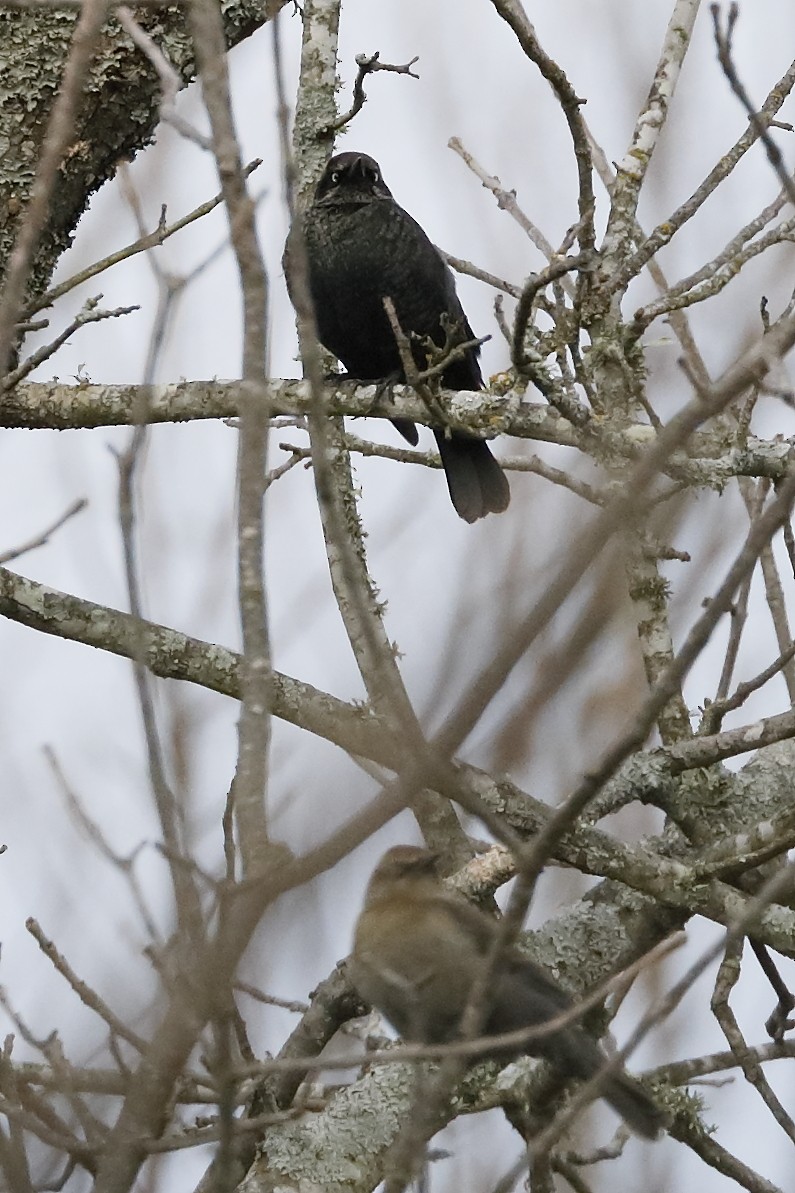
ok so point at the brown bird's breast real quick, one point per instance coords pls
(415, 964)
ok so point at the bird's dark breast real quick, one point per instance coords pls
(360, 254)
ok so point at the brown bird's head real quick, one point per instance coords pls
(351, 177)
(401, 869)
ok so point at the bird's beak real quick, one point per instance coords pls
(430, 860)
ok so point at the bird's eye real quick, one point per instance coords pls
(335, 176)
(376, 176)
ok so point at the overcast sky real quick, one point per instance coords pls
(476, 85)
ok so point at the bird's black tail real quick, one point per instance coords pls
(578, 1055)
(477, 484)
(629, 1099)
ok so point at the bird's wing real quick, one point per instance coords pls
(520, 978)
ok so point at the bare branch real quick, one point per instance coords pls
(368, 65)
(44, 537)
(723, 41)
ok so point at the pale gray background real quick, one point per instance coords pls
(475, 84)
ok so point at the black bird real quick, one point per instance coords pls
(418, 949)
(362, 247)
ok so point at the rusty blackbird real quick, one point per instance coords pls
(417, 951)
(361, 248)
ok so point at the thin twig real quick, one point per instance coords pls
(515, 16)
(506, 201)
(148, 240)
(723, 41)
(482, 275)
(89, 314)
(368, 65)
(84, 992)
(44, 537)
(666, 230)
(727, 977)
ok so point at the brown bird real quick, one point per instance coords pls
(418, 949)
